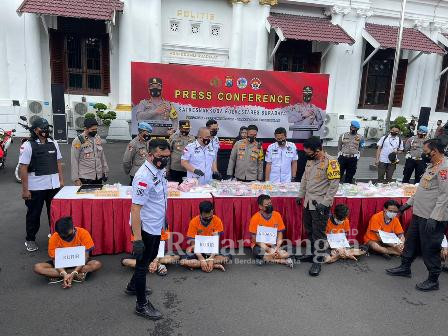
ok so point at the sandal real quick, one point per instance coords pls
(161, 270)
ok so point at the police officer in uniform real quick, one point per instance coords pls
(156, 108)
(349, 148)
(148, 218)
(41, 173)
(88, 160)
(178, 142)
(199, 158)
(430, 217)
(281, 159)
(318, 187)
(246, 158)
(414, 151)
(213, 127)
(137, 150)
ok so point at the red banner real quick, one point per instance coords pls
(162, 94)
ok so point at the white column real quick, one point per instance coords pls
(236, 38)
(4, 72)
(261, 52)
(431, 82)
(33, 58)
(154, 24)
(125, 55)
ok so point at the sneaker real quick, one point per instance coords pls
(148, 311)
(31, 246)
(52, 281)
(427, 285)
(290, 263)
(80, 277)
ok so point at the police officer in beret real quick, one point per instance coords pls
(88, 160)
(41, 173)
(414, 150)
(178, 142)
(349, 147)
(137, 150)
(160, 113)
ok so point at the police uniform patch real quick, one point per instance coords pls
(333, 170)
(443, 174)
(77, 145)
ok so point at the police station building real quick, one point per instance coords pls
(81, 50)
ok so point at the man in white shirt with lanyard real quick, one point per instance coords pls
(41, 174)
(281, 159)
(148, 217)
(387, 154)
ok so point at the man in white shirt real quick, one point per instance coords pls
(387, 154)
(41, 173)
(281, 159)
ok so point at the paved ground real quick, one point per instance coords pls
(347, 299)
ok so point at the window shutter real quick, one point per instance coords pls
(401, 80)
(105, 64)
(314, 62)
(57, 57)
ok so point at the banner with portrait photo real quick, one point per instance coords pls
(163, 94)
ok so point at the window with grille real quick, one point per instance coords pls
(79, 56)
(377, 77)
(297, 56)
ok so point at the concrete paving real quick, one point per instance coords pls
(347, 299)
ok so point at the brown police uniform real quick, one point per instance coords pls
(246, 161)
(178, 142)
(349, 146)
(134, 156)
(88, 159)
(429, 202)
(319, 183)
(414, 148)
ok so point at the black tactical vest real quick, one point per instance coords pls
(43, 159)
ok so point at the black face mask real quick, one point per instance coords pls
(205, 141)
(251, 139)
(268, 209)
(310, 157)
(184, 133)
(421, 136)
(206, 221)
(146, 137)
(213, 132)
(426, 158)
(155, 92)
(92, 134)
(69, 237)
(352, 131)
(44, 133)
(281, 142)
(393, 134)
(160, 162)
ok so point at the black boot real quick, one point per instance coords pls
(315, 269)
(130, 290)
(148, 311)
(402, 270)
(432, 283)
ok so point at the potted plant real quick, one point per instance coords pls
(104, 119)
(402, 124)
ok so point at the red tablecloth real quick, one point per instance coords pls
(108, 219)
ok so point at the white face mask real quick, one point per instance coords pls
(391, 215)
(337, 221)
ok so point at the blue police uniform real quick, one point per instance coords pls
(200, 157)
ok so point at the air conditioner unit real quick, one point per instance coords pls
(77, 116)
(329, 129)
(374, 133)
(39, 109)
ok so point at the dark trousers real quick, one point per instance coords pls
(315, 225)
(348, 167)
(35, 205)
(87, 181)
(177, 176)
(418, 165)
(301, 164)
(386, 168)
(132, 179)
(138, 280)
(417, 239)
